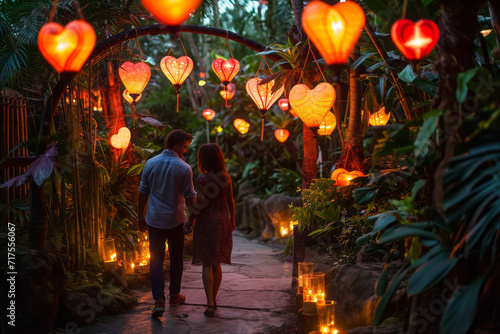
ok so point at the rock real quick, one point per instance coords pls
(276, 208)
(390, 326)
(369, 253)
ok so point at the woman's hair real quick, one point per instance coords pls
(210, 159)
(178, 136)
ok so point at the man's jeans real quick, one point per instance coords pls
(157, 237)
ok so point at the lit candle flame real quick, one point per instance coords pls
(113, 257)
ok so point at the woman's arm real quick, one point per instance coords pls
(195, 208)
(230, 204)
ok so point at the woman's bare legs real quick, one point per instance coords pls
(208, 284)
(217, 279)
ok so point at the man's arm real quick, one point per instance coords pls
(143, 199)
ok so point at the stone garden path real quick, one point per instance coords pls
(253, 297)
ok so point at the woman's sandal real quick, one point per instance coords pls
(209, 311)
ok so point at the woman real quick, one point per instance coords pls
(212, 238)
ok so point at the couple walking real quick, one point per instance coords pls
(167, 181)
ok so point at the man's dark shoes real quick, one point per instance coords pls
(159, 308)
(177, 299)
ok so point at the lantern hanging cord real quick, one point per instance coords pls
(140, 50)
(405, 6)
(78, 10)
(171, 46)
(310, 50)
(228, 46)
(53, 10)
(267, 65)
(258, 69)
(182, 44)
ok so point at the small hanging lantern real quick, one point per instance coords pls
(129, 98)
(176, 70)
(263, 96)
(241, 125)
(281, 135)
(121, 140)
(312, 105)
(343, 177)
(228, 92)
(135, 77)
(283, 104)
(415, 40)
(208, 114)
(334, 30)
(226, 70)
(379, 118)
(171, 12)
(327, 125)
(67, 48)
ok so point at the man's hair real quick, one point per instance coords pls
(178, 136)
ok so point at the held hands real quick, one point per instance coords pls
(188, 226)
(142, 224)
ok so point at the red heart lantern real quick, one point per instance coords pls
(208, 114)
(334, 30)
(228, 92)
(281, 135)
(263, 96)
(226, 70)
(67, 48)
(415, 40)
(283, 104)
(135, 77)
(171, 12)
(176, 70)
(343, 177)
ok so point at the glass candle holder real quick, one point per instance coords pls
(109, 250)
(131, 261)
(304, 268)
(326, 318)
(314, 287)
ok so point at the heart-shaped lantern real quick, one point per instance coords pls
(121, 139)
(208, 114)
(129, 98)
(171, 12)
(312, 105)
(176, 70)
(379, 118)
(135, 77)
(67, 48)
(343, 178)
(228, 92)
(415, 40)
(334, 30)
(327, 125)
(281, 135)
(283, 104)
(226, 70)
(241, 125)
(263, 96)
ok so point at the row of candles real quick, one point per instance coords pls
(134, 262)
(312, 287)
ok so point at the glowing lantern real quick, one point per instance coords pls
(135, 77)
(379, 118)
(121, 139)
(486, 32)
(312, 105)
(303, 269)
(171, 12)
(202, 75)
(415, 40)
(241, 125)
(129, 98)
(327, 125)
(314, 287)
(219, 129)
(343, 177)
(226, 70)
(326, 317)
(263, 96)
(281, 135)
(228, 93)
(334, 30)
(209, 114)
(283, 104)
(67, 48)
(176, 70)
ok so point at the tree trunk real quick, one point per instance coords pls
(309, 168)
(353, 157)
(112, 108)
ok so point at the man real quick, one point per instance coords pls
(168, 183)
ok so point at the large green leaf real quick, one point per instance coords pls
(364, 196)
(426, 131)
(407, 74)
(402, 232)
(393, 285)
(431, 273)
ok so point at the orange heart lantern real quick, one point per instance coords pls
(379, 118)
(241, 125)
(228, 92)
(135, 77)
(129, 98)
(121, 139)
(281, 135)
(208, 114)
(263, 96)
(67, 48)
(176, 70)
(226, 70)
(283, 104)
(415, 40)
(312, 105)
(327, 125)
(334, 30)
(343, 177)
(171, 12)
